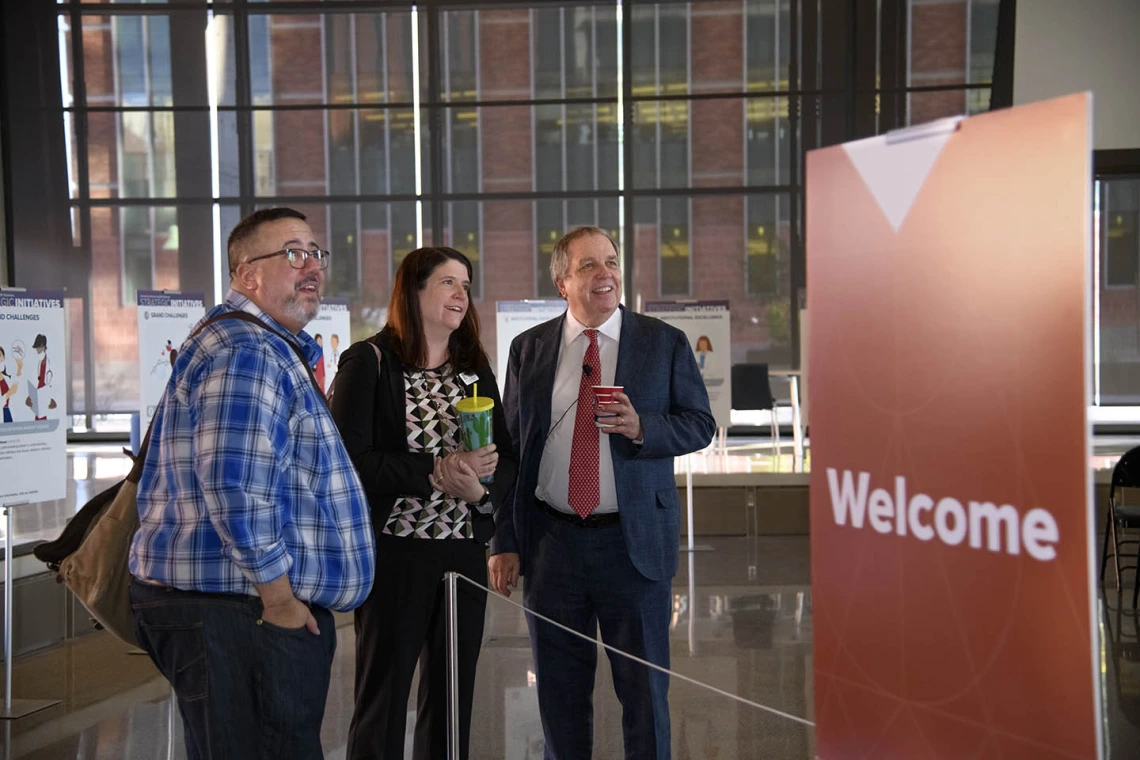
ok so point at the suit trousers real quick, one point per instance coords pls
(403, 622)
(583, 578)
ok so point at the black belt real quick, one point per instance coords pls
(604, 520)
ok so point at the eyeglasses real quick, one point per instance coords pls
(298, 257)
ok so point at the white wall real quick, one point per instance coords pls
(1066, 46)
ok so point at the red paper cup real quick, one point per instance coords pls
(603, 395)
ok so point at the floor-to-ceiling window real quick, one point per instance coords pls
(1116, 341)
(679, 127)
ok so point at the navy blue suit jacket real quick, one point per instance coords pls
(660, 375)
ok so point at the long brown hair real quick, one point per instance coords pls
(404, 332)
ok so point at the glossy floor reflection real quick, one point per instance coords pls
(1120, 626)
(742, 623)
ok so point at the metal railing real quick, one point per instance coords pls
(451, 591)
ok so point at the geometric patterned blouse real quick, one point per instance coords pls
(432, 427)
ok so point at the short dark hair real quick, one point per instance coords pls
(247, 228)
(405, 329)
(40, 342)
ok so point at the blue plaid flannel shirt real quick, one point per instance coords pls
(247, 478)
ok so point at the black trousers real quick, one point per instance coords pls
(403, 622)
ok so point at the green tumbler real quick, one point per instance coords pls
(475, 420)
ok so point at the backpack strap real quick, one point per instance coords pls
(247, 317)
(379, 372)
(135, 475)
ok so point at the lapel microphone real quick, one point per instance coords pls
(587, 370)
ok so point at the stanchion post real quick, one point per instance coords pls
(690, 547)
(8, 557)
(692, 604)
(689, 494)
(20, 707)
(170, 724)
(797, 426)
(451, 600)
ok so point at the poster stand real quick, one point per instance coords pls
(13, 708)
(691, 547)
(33, 440)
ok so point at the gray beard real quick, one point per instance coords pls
(297, 310)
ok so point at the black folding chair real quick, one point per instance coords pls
(1121, 517)
(752, 391)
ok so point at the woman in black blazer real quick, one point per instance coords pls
(394, 403)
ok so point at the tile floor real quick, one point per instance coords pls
(742, 623)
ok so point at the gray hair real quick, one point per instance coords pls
(560, 256)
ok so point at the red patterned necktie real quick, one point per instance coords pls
(584, 450)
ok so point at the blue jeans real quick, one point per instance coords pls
(246, 689)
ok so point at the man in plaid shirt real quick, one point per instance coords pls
(253, 522)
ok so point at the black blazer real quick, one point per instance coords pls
(370, 410)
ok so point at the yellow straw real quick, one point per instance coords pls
(476, 391)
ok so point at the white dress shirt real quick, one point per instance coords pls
(554, 469)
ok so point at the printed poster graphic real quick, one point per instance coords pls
(513, 318)
(707, 325)
(165, 321)
(332, 329)
(33, 388)
(951, 496)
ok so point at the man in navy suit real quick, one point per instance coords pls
(594, 520)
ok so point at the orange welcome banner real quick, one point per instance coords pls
(951, 496)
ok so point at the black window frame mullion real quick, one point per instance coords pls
(628, 249)
(365, 105)
(864, 33)
(798, 264)
(893, 85)
(243, 97)
(435, 122)
(83, 194)
(1001, 94)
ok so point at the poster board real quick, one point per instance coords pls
(33, 389)
(332, 329)
(708, 326)
(512, 318)
(165, 320)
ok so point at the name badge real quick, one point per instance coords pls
(469, 378)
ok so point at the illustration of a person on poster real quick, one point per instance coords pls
(43, 380)
(703, 349)
(164, 362)
(8, 384)
(319, 364)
